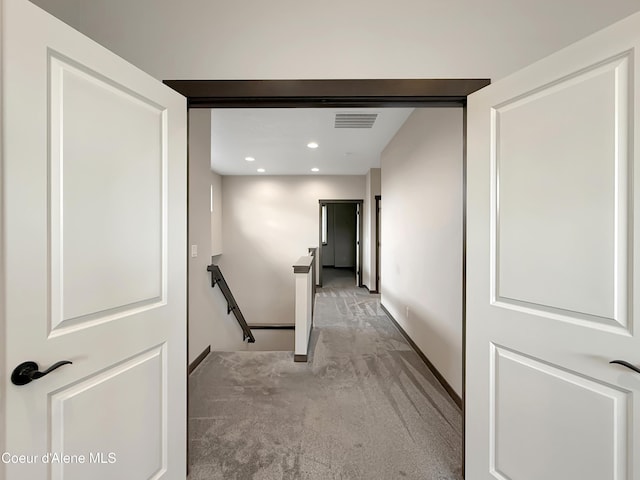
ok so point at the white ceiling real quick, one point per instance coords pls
(278, 138)
(297, 39)
(333, 39)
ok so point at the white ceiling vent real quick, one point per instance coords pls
(355, 120)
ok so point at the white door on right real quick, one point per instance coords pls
(553, 264)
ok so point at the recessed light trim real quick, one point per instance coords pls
(261, 170)
(312, 145)
(315, 169)
(250, 159)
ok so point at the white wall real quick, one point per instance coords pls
(373, 188)
(204, 307)
(216, 214)
(421, 254)
(209, 323)
(268, 222)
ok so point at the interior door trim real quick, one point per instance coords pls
(377, 245)
(327, 93)
(359, 222)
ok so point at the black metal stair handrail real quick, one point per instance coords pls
(272, 326)
(232, 306)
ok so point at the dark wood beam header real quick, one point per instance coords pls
(325, 93)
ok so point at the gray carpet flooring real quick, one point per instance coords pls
(364, 407)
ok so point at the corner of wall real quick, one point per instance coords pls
(201, 300)
(216, 214)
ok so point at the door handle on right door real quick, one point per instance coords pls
(626, 364)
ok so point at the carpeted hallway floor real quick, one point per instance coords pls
(363, 407)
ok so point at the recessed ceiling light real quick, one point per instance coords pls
(249, 159)
(261, 170)
(315, 169)
(312, 145)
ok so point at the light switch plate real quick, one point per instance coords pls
(194, 251)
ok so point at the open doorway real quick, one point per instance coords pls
(339, 93)
(340, 249)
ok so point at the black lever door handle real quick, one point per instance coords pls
(28, 371)
(626, 364)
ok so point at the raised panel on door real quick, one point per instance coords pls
(137, 421)
(561, 205)
(108, 198)
(522, 448)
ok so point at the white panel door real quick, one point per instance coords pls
(94, 222)
(552, 267)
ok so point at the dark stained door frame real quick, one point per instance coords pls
(377, 245)
(326, 93)
(344, 93)
(359, 204)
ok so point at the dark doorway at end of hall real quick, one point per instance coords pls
(340, 244)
